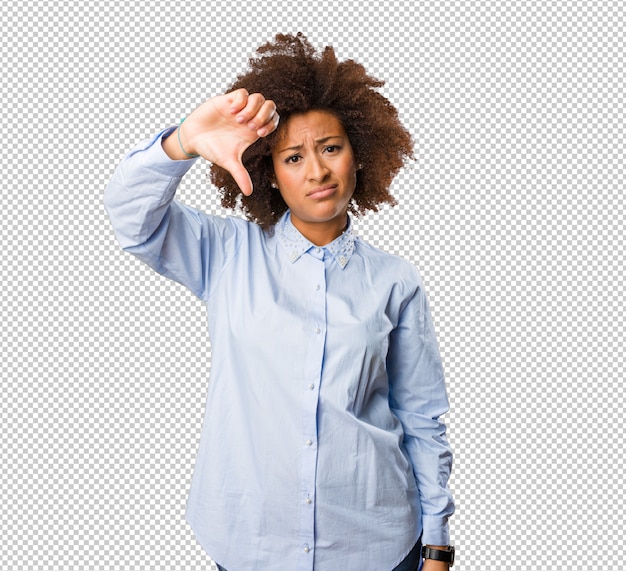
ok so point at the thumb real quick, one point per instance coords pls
(241, 176)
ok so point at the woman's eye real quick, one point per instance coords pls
(292, 159)
(332, 148)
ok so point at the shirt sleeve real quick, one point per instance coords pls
(176, 240)
(418, 397)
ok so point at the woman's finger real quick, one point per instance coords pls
(266, 113)
(241, 176)
(263, 116)
(254, 104)
(268, 119)
(238, 100)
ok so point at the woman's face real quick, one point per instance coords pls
(315, 173)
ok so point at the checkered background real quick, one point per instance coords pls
(513, 211)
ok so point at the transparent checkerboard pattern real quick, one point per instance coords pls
(513, 211)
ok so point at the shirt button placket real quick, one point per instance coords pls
(313, 368)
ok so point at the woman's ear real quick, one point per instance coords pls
(273, 182)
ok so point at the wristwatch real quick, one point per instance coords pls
(446, 555)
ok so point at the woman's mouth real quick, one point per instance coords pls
(322, 191)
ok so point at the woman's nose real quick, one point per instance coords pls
(317, 168)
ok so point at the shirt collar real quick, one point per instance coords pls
(295, 244)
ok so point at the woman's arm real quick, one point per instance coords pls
(417, 395)
(432, 565)
(176, 240)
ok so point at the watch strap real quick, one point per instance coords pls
(439, 554)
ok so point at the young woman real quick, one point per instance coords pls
(321, 447)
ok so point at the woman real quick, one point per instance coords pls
(321, 446)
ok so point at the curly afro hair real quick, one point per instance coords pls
(298, 79)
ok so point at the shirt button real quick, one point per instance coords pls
(309, 442)
(311, 386)
(308, 500)
(306, 549)
(317, 287)
(318, 250)
(318, 330)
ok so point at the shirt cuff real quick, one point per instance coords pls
(436, 530)
(151, 155)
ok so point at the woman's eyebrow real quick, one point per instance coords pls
(317, 141)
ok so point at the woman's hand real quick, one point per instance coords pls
(432, 565)
(222, 128)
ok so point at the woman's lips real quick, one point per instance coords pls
(322, 191)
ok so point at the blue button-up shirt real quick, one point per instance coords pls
(321, 446)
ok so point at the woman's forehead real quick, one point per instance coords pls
(313, 124)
